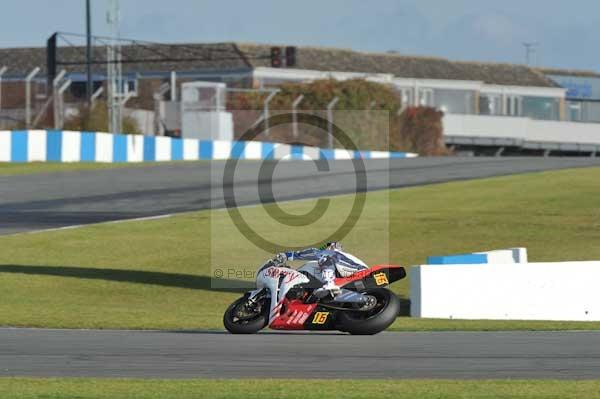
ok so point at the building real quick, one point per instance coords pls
(468, 91)
(583, 93)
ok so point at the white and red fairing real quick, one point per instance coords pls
(296, 311)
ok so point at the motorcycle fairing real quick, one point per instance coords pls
(278, 281)
(373, 277)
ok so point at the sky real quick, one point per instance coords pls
(568, 32)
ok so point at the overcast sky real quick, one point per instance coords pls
(483, 30)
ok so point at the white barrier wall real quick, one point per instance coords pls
(532, 291)
(521, 129)
(511, 255)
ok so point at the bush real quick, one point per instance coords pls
(421, 129)
(415, 129)
(96, 120)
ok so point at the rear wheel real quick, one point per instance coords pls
(245, 317)
(380, 314)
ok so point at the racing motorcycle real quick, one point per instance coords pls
(289, 299)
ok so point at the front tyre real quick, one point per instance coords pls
(372, 321)
(243, 317)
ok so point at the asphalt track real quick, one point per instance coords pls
(153, 354)
(52, 200)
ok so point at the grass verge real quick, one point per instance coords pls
(15, 168)
(30, 388)
(157, 273)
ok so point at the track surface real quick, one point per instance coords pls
(41, 201)
(83, 353)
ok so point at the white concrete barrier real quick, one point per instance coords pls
(531, 291)
(521, 129)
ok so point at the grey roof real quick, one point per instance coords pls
(144, 57)
(136, 58)
(329, 59)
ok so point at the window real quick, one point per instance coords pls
(574, 111)
(130, 86)
(454, 101)
(406, 98)
(591, 111)
(545, 108)
(426, 97)
(78, 89)
(490, 104)
(513, 105)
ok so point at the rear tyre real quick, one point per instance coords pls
(240, 318)
(375, 320)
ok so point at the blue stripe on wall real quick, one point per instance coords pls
(88, 147)
(237, 149)
(18, 146)
(119, 148)
(176, 149)
(467, 259)
(54, 145)
(149, 148)
(206, 150)
(397, 155)
(297, 151)
(326, 154)
(267, 151)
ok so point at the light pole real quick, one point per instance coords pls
(2, 72)
(530, 49)
(88, 53)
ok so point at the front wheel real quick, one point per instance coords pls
(377, 318)
(244, 317)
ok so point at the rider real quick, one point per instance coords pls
(330, 258)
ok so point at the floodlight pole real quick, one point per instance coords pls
(28, 95)
(88, 53)
(2, 72)
(295, 115)
(330, 106)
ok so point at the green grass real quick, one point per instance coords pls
(156, 274)
(15, 168)
(11, 168)
(30, 388)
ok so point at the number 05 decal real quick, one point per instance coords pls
(320, 317)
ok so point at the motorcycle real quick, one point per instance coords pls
(290, 299)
